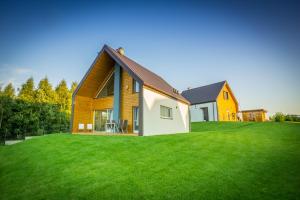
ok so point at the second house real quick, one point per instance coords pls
(215, 102)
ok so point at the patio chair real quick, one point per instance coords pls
(80, 127)
(120, 124)
(125, 126)
(108, 126)
(89, 127)
(114, 125)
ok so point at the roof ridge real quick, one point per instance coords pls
(205, 86)
(139, 65)
(148, 77)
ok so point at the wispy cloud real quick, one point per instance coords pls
(14, 74)
(22, 70)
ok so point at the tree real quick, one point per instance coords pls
(73, 87)
(72, 90)
(45, 93)
(63, 97)
(2, 136)
(27, 92)
(279, 117)
(9, 91)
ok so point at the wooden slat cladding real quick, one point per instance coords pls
(96, 76)
(128, 99)
(84, 108)
(227, 108)
(257, 116)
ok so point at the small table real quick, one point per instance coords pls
(111, 126)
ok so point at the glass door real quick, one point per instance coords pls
(135, 119)
(100, 119)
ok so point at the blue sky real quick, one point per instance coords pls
(254, 45)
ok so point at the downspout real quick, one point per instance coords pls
(141, 109)
(117, 93)
(72, 114)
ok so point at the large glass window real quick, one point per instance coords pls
(101, 117)
(166, 112)
(135, 119)
(108, 89)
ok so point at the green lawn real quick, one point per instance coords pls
(215, 161)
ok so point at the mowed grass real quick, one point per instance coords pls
(215, 161)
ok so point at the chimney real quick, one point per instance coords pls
(121, 51)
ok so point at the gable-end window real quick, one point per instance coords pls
(166, 112)
(226, 96)
(136, 86)
(108, 89)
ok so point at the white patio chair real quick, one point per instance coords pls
(80, 127)
(89, 127)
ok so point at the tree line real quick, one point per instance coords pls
(35, 110)
(280, 117)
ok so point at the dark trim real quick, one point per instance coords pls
(203, 102)
(72, 115)
(122, 64)
(141, 101)
(190, 121)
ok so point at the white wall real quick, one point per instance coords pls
(197, 113)
(154, 124)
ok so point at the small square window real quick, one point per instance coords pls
(166, 112)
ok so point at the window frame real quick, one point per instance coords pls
(169, 111)
(134, 84)
(105, 88)
(226, 95)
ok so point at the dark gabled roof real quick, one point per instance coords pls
(148, 78)
(143, 75)
(204, 94)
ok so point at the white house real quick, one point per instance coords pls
(116, 91)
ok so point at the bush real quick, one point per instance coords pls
(21, 118)
(279, 117)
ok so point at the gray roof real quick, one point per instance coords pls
(204, 94)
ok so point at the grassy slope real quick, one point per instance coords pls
(216, 161)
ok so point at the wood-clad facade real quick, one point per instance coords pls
(129, 99)
(227, 105)
(113, 90)
(258, 115)
(85, 106)
(214, 102)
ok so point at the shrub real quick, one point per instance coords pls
(279, 117)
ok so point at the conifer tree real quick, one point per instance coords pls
(73, 87)
(72, 90)
(45, 93)
(63, 97)
(9, 91)
(27, 92)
